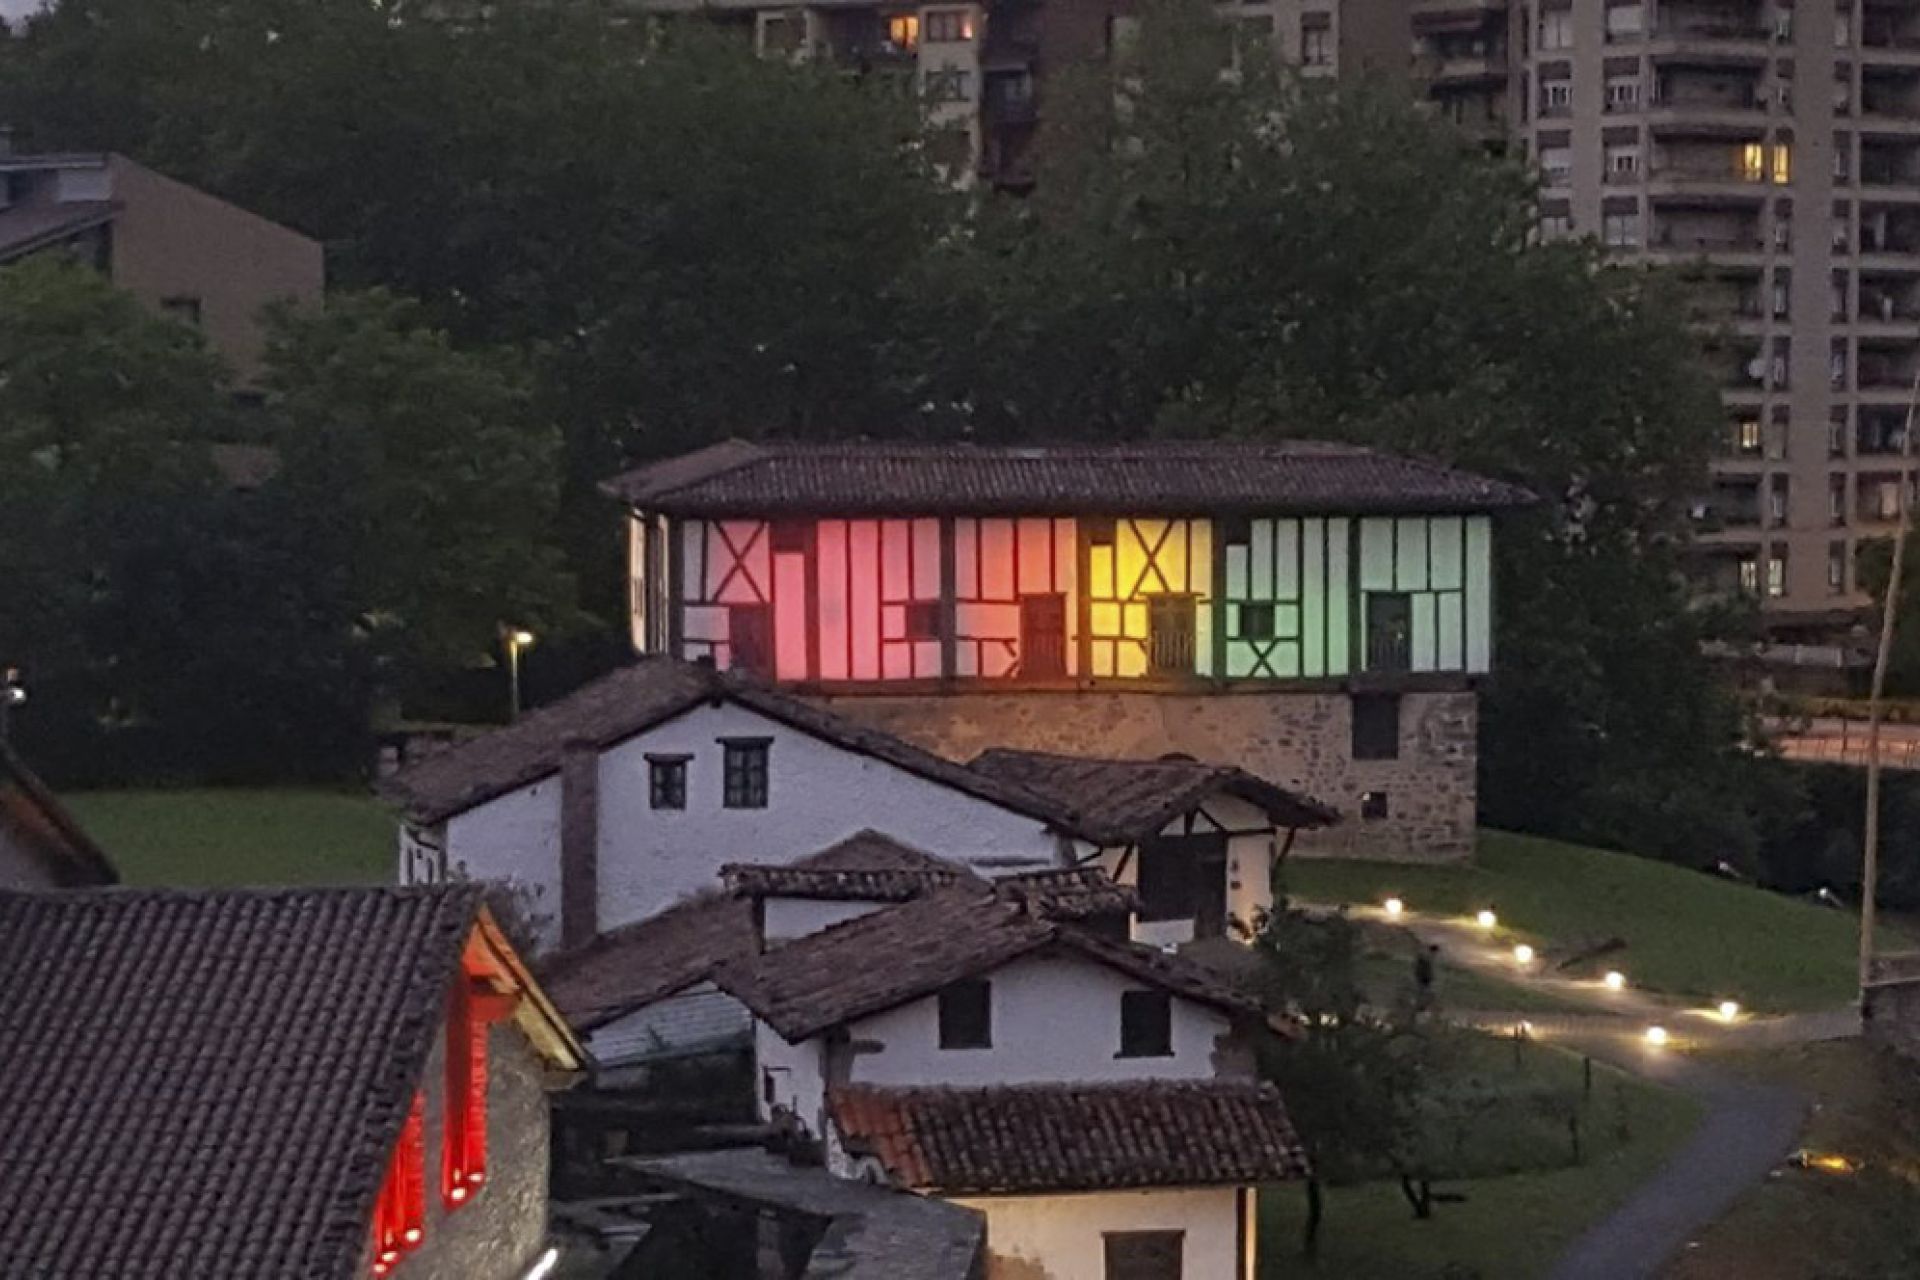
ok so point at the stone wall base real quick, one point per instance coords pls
(1303, 741)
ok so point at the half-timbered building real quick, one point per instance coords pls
(1319, 614)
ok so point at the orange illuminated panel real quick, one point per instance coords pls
(878, 612)
(400, 1213)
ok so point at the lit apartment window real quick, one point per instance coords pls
(948, 26)
(903, 31)
(1747, 435)
(1777, 575)
(1747, 572)
(1556, 29)
(1753, 162)
(1836, 568)
(1782, 163)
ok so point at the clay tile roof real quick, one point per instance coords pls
(1165, 477)
(35, 820)
(634, 699)
(636, 964)
(1072, 1137)
(889, 957)
(209, 1083)
(1125, 801)
(1070, 893)
(868, 866)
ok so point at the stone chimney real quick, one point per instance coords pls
(579, 843)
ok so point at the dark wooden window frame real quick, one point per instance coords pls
(1376, 726)
(667, 781)
(745, 771)
(1144, 1255)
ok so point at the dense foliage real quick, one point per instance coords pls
(681, 242)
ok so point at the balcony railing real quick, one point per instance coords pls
(1708, 29)
(1697, 242)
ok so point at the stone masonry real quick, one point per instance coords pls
(1300, 740)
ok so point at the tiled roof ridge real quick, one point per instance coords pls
(116, 895)
(1151, 1084)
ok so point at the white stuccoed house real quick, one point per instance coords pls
(630, 795)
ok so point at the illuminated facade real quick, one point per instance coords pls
(1318, 614)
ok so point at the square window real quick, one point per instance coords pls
(1376, 726)
(1146, 1024)
(745, 767)
(1144, 1255)
(1373, 805)
(1256, 622)
(923, 620)
(966, 1015)
(667, 782)
(184, 309)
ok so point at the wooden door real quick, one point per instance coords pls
(1043, 636)
(1389, 631)
(1170, 635)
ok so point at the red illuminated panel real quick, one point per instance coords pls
(463, 1144)
(400, 1213)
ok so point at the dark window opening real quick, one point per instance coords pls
(789, 535)
(745, 768)
(1236, 531)
(1373, 805)
(667, 782)
(966, 1015)
(185, 310)
(1144, 1255)
(750, 632)
(1389, 631)
(1146, 1024)
(1170, 635)
(1256, 622)
(923, 620)
(1376, 726)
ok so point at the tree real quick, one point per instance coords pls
(1240, 253)
(1354, 1079)
(419, 480)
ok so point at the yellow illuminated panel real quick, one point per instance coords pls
(1149, 598)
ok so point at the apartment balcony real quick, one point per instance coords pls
(1454, 70)
(1723, 118)
(1456, 15)
(1702, 180)
(1890, 41)
(1706, 41)
(1879, 434)
(1730, 507)
(1890, 119)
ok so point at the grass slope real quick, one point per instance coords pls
(236, 837)
(1687, 934)
(1512, 1226)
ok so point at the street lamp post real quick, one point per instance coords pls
(12, 694)
(518, 638)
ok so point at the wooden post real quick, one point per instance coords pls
(1586, 1078)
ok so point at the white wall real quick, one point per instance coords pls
(784, 919)
(818, 793)
(514, 838)
(794, 1075)
(1062, 1237)
(1054, 1019)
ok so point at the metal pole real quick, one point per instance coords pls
(513, 677)
(1890, 607)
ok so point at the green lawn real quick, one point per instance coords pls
(1385, 974)
(218, 837)
(1511, 1226)
(1687, 934)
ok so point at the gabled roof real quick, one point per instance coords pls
(1070, 893)
(37, 822)
(634, 699)
(636, 964)
(738, 477)
(868, 866)
(1126, 801)
(889, 957)
(210, 1083)
(1072, 1137)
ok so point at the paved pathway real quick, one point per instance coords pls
(1747, 1130)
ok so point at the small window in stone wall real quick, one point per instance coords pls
(1376, 726)
(1373, 805)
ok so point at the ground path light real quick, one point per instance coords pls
(1486, 919)
(1656, 1036)
(1729, 1010)
(1523, 954)
(1615, 980)
(1394, 906)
